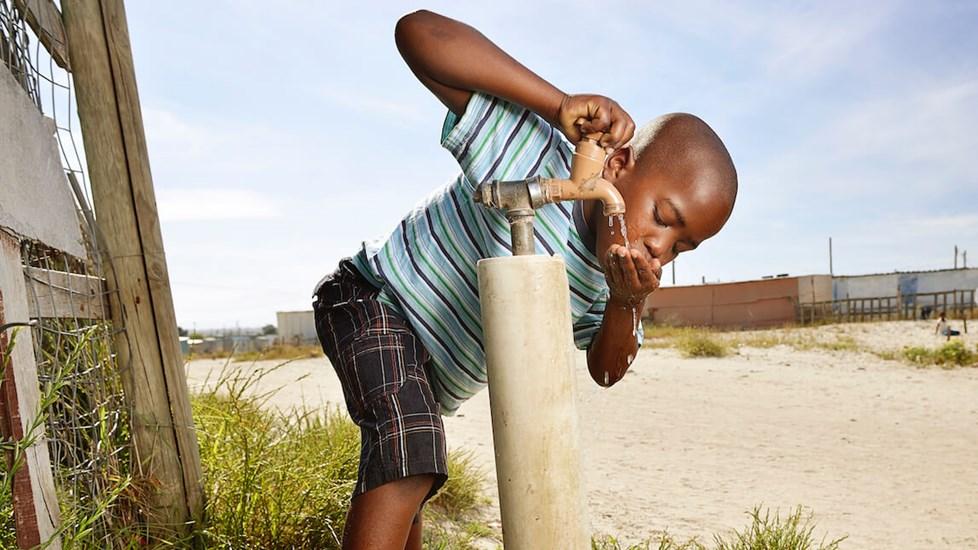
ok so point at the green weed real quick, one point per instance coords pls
(950, 355)
(793, 532)
(701, 344)
(765, 532)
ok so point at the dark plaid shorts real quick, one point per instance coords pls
(382, 368)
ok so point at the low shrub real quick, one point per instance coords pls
(952, 354)
(701, 344)
(277, 480)
(793, 532)
(955, 353)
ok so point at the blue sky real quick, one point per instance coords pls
(282, 134)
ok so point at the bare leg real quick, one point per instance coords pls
(415, 537)
(381, 518)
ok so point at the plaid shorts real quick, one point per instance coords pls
(382, 367)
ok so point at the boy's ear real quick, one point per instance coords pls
(619, 163)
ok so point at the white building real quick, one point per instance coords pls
(905, 283)
(296, 327)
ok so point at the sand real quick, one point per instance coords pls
(883, 452)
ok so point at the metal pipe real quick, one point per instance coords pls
(518, 198)
(596, 188)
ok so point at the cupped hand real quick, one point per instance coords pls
(583, 114)
(631, 275)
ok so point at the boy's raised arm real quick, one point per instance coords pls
(453, 60)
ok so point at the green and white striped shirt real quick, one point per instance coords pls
(426, 267)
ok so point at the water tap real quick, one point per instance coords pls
(520, 197)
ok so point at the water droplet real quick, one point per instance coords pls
(635, 325)
(606, 378)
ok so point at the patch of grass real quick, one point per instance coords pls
(704, 342)
(277, 480)
(701, 344)
(454, 517)
(950, 355)
(662, 542)
(765, 532)
(799, 342)
(793, 532)
(280, 352)
(918, 355)
(273, 480)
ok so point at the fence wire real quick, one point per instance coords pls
(88, 423)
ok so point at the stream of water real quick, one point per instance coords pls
(624, 234)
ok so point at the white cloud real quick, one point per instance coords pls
(182, 205)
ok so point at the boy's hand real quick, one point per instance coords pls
(594, 114)
(631, 275)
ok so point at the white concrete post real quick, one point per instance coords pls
(529, 357)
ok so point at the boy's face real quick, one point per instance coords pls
(664, 214)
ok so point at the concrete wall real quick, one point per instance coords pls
(766, 302)
(35, 200)
(888, 284)
(296, 327)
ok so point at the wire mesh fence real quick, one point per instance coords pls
(87, 417)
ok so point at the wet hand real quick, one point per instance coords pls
(584, 114)
(631, 275)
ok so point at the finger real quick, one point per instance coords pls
(612, 269)
(599, 121)
(656, 265)
(573, 131)
(620, 125)
(646, 275)
(629, 272)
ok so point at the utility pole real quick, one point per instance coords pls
(831, 273)
(164, 441)
(674, 273)
(964, 259)
(955, 256)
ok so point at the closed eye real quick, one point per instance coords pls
(657, 218)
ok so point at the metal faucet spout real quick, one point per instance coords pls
(519, 198)
(596, 188)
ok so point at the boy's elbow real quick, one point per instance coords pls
(408, 27)
(604, 378)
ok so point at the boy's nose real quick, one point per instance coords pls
(660, 248)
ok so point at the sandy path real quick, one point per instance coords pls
(881, 451)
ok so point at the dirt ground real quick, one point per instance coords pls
(881, 451)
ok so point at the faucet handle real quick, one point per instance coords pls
(588, 159)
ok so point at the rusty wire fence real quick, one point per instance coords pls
(86, 415)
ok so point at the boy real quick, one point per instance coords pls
(400, 321)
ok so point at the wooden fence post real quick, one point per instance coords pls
(140, 300)
(36, 513)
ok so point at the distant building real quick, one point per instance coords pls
(779, 300)
(296, 327)
(764, 302)
(904, 283)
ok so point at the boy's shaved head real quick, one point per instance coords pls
(685, 148)
(679, 186)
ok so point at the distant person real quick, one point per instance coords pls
(400, 321)
(944, 329)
